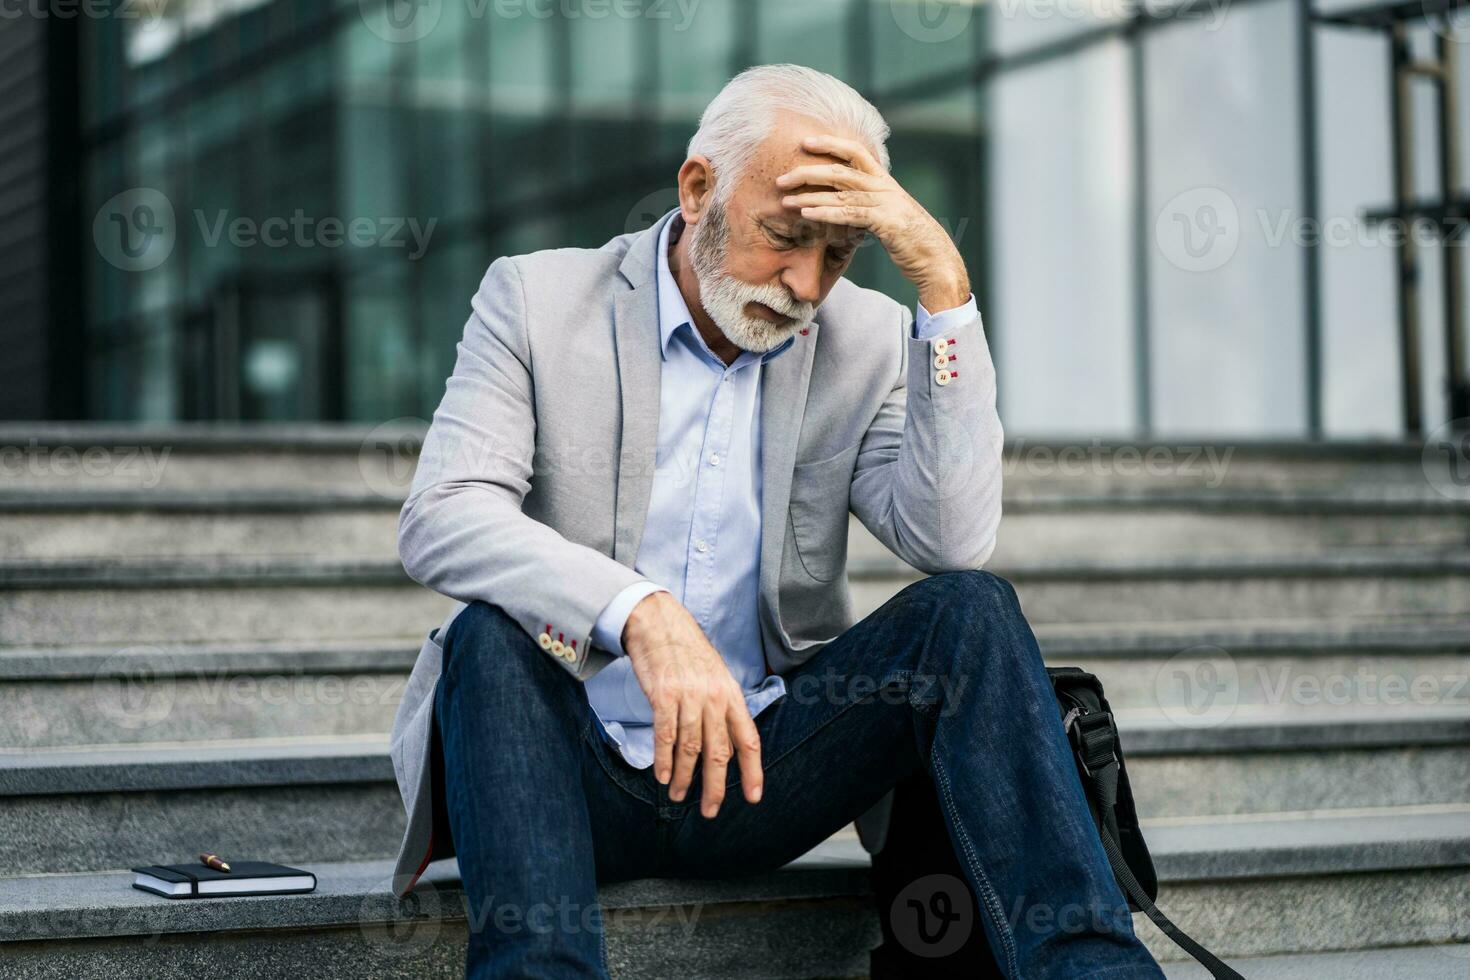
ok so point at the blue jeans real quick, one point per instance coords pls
(943, 684)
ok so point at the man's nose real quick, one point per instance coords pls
(803, 277)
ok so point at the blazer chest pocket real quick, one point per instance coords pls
(819, 504)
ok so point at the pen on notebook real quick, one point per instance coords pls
(213, 861)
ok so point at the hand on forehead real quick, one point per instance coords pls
(785, 150)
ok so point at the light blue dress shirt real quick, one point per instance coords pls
(702, 538)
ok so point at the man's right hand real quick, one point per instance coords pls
(698, 707)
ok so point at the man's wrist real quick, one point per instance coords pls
(612, 622)
(952, 292)
(644, 606)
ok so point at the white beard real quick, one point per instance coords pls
(724, 297)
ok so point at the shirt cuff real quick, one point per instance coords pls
(607, 632)
(929, 325)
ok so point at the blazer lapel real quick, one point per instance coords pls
(783, 406)
(636, 330)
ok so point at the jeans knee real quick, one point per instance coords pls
(493, 665)
(484, 638)
(983, 622)
(976, 591)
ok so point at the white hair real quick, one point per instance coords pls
(741, 116)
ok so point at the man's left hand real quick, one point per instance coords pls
(864, 195)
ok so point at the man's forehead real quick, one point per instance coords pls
(782, 149)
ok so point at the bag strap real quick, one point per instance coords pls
(1105, 784)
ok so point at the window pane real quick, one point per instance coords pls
(1062, 311)
(917, 39)
(812, 33)
(1226, 301)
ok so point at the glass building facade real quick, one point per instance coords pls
(295, 199)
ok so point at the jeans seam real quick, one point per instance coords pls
(987, 891)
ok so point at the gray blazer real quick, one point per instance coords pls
(534, 478)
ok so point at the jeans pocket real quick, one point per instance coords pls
(634, 781)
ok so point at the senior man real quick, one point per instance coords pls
(637, 485)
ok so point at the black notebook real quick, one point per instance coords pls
(244, 878)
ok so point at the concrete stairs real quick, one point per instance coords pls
(204, 634)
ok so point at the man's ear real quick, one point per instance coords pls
(696, 188)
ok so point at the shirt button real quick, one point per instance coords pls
(714, 459)
(701, 545)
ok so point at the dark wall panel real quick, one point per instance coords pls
(23, 242)
(39, 316)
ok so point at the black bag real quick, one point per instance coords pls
(1090, 728)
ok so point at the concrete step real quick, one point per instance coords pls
(1399, 963)
(333, 797)
(812, 918)
(113, 806)
(354, 522)
(51, 697)
(1040, 469)
(102, 695)
(1223, 523)
(42, 458)
(1207, 590)
(1316, 881)
(150, 601)
(128, 602)
(1274, 760)
(1245, 887)
(201, 523)
(39, 456)
(1215, 668)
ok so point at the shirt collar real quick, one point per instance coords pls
(673, 312)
